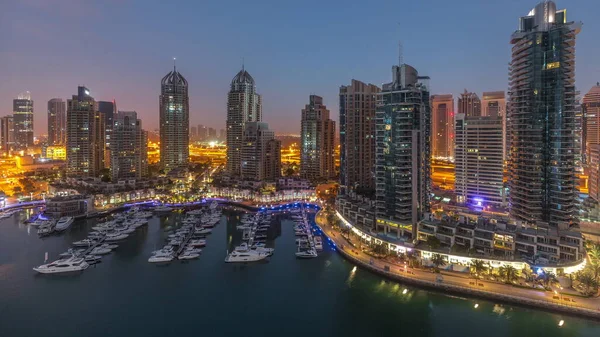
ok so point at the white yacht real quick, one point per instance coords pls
(318, 243)
(92, 259)
(64, 223)
(204, 231)
(247, 256)
(193, 250)
(197, 243)
(116, 236)
(63, 266)
(188, 255)
(195, 212)
(108, 246)
(100, 251)
(163, 209)
(306, 254)
(45, 230)
(161, 257)
(84, 243)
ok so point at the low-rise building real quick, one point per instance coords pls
(71, 205)
(493, 238)
(293, 183)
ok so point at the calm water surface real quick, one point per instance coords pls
(127, 296)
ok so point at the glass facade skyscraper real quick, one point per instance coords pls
(403, 149)
(174, 121)
(542, 118)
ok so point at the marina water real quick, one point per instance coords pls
(127, 296)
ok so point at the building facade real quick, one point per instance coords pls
(590, 109)
(442, 126)
(128, 147)
(244, 105)
(317, 136)
(57, 121)
(108, 110)
(85, 136)
(478, 161)
(7, 134)
(403, 150)
(357, 136)
(23, 121)
(493, 104)
(260, 153)
(594, 171)
(469, 104)
(542, 117)
(174, 121)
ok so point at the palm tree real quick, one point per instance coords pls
(593, 251)
(437, 260)
(594, 270)
(548, 278)
(588, 282)
(478, 267)
(508, 273)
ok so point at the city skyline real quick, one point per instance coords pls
(478, 69)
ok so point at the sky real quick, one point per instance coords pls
(120, 49)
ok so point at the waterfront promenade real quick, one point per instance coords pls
(461, 283)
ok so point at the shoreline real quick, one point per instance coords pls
(446, 288)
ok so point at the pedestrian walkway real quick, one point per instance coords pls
(458, 283)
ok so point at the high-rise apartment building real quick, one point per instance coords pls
(317, 136)
(193, 133)
(174, 121)
(260, 153)
(85, 136)
(469, 104)
(128, 147)
(222, 135)
(403, 149)
(108, 110)
(442, 126)
(243, 106)
(542, 117)
(7, 135)
(478, 160)
(591, 120)
(202, 132)
(23, 121)
(493, 104)
(357, 136)
(594, 169)
(212, 134)
(57, 121)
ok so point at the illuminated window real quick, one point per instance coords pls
(553, 65)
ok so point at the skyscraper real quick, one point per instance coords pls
(542, 117)
(23, 121)
(442, 126)
(128, 146)
(243, 105)
(260, 158)
(403, 152)
(108, 109)
(317, 141)
(591, 120)
(212, 134)
(174, 121)
(493, 105)
(57, 119)
(594, 169)
(85, 136)
(469, 104)
(478, 160)
(222, 136)
(202, 132)
(7, 135)
(357, 136)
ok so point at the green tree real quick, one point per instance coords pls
(593, 251)
(437, 260)
(586, 279)
(433, 242)
(380, 249)
(508, 273)
(478, 267)
(548, 278)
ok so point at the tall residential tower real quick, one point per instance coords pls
(317, 141)
(442, 126)
(129, 147)
(542, 117)
(57, 119)
(243, 106)
(174, 121)
(403, 150)
(357, 136)
(23, 120)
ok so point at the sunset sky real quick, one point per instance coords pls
(120, 49)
